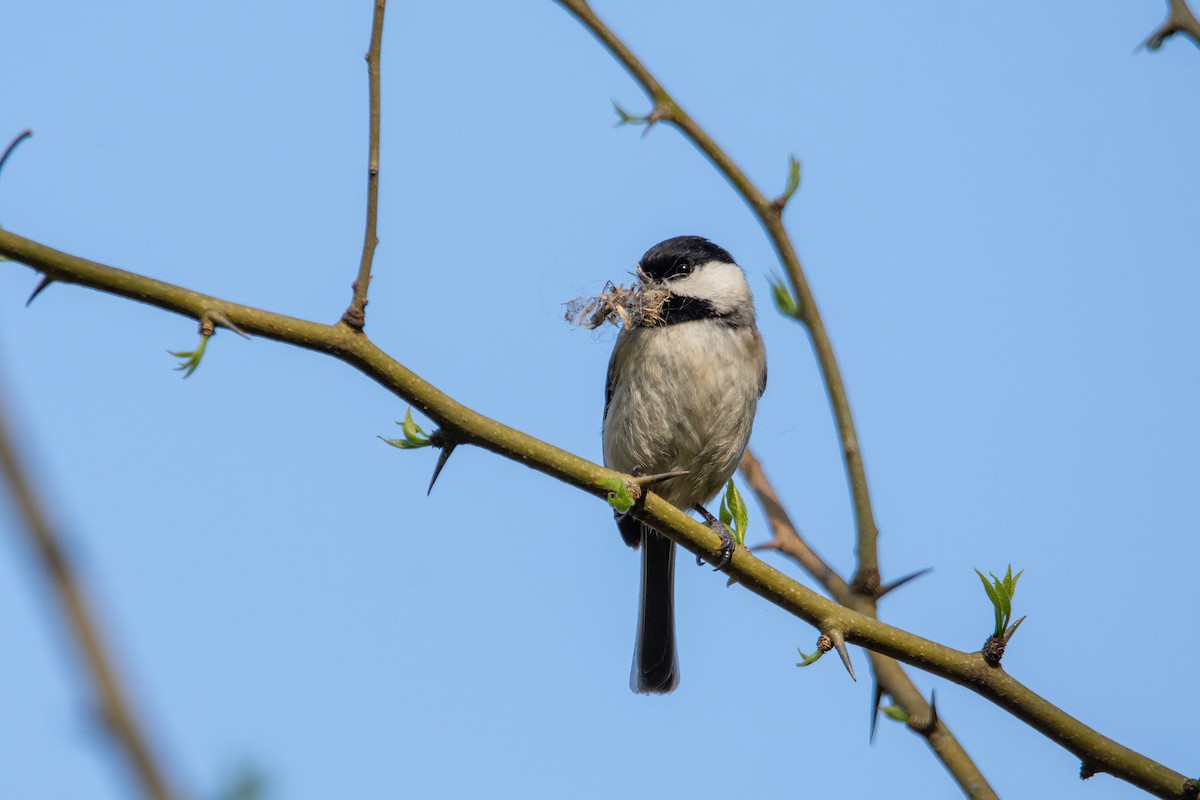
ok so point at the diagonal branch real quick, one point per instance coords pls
(888, 673)
(356, 315)
(120, 722)
(770, 214)
(1180, 19)
(470, 427)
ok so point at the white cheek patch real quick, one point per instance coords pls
(723, 285)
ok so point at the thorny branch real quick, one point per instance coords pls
(889, 675)
(357, 350)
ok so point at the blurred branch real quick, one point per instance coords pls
(889, 675)
(470, 427)
(1180, 19)
(770, 214)
(356, 315)
(62, 582)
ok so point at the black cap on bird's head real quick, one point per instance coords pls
(680, 256)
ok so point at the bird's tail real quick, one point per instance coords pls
(655, 664)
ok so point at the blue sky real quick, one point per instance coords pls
(997, 216)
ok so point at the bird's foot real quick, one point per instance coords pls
(728, 543)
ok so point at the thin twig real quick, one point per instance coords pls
(1180, 19)
(889, 675)
(770, 214)
(471, 427)
(120, 721)
(22, 136)
(356, 314)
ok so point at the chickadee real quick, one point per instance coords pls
(682, 390)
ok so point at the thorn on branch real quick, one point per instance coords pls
(646, 481)
(839, 643)
(1087, 770)
(22, 136)
(220, 319)
(439, 439)
(42, 284)
(876, 699)
(1008, 633)
(896, 584)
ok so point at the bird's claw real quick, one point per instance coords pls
(728, 543)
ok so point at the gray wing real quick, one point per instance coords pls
(610, 383)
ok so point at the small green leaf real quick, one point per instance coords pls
(1000, 592)
(740, 514)
(809, 659)
(793, 180)
(995, 600)
(625, 118)
(414, 434)
(782, 295)
(191, 358)
(895, 712)
(618, 494)
(734, 506)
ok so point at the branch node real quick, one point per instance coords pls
(1191, 789)
(356, 314)
(866, 583)
(925, 723)
(993, 650)
(1088, 769)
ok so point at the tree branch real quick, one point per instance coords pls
(770, 215)
(889, 675)
(356, 314)
(120, 722)
(1180, 19)
(470, 427)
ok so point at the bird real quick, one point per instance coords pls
(682, 390)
